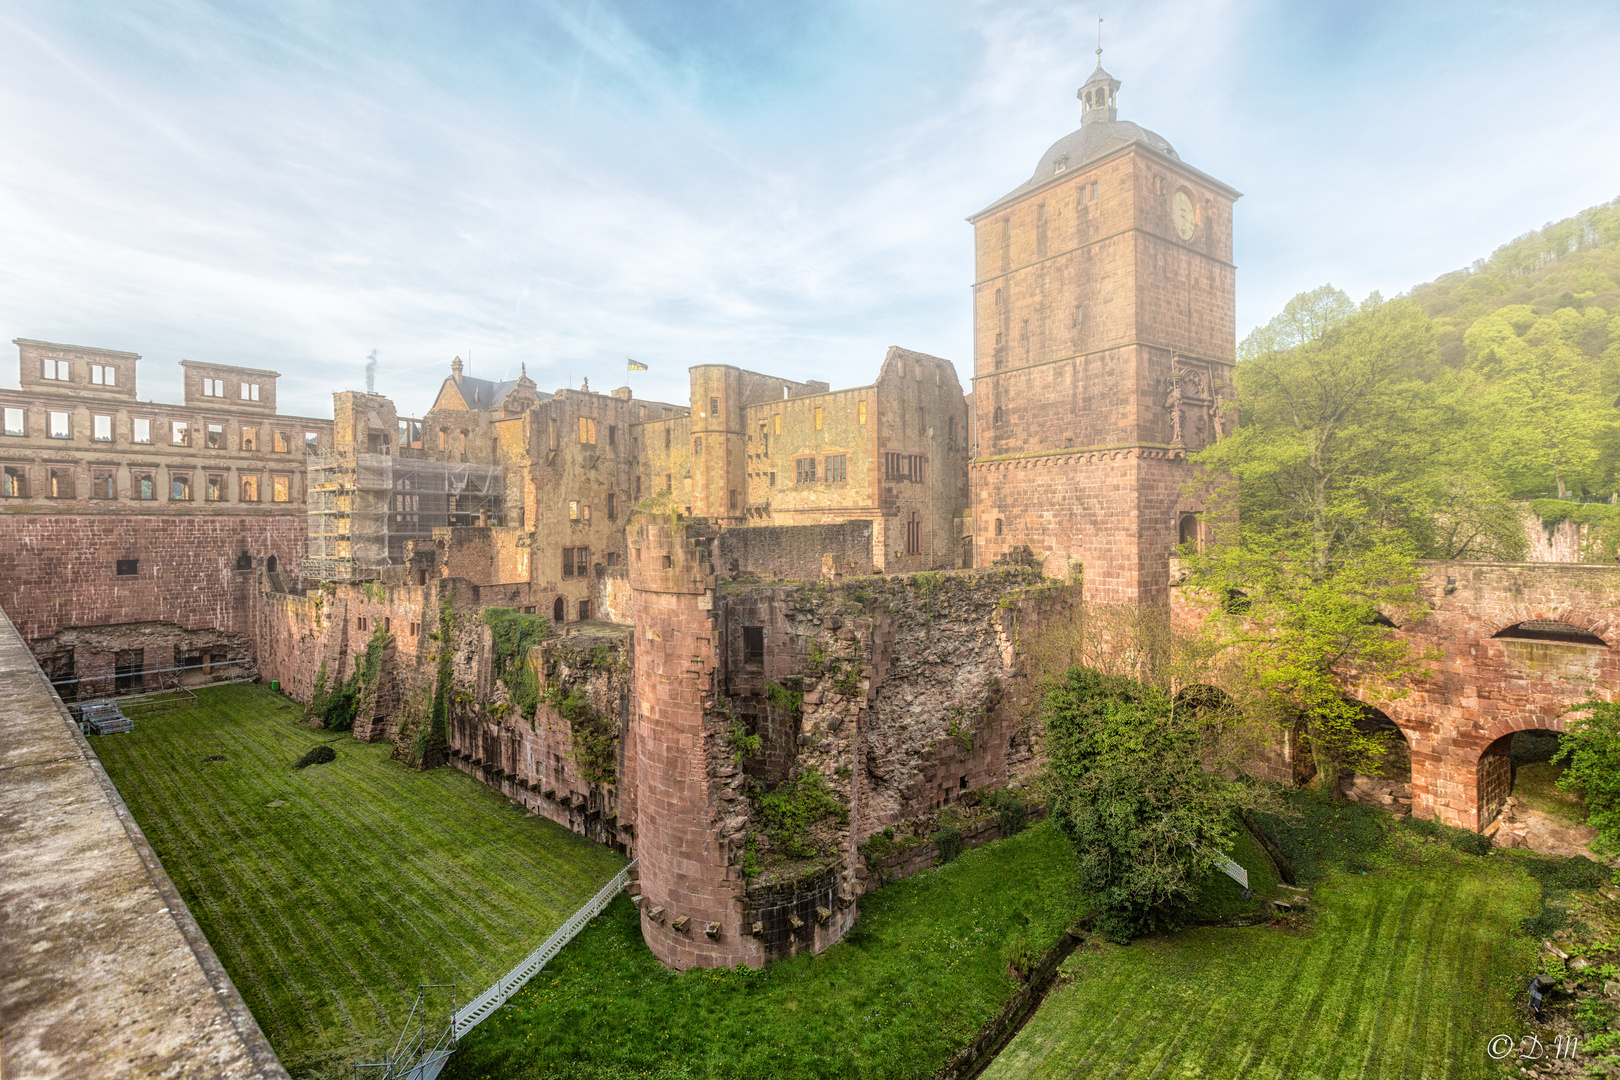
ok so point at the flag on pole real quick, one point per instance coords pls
(635, 365)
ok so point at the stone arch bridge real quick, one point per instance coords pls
(1518, 644)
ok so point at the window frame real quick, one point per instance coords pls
(96, 420)
(281, 487)
(21, 413)
(804, 471)
(135, 426)
(838, 463)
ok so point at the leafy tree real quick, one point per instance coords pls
(1591, 747)
(1131, 789)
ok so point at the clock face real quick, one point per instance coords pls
(1183, 215)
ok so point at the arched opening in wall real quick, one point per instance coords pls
(559, 611)
(1217, 716)
(270, 564)
(1187, 533)
(1518, 791)
(1389, 783)
(244, 561)
(1562, 633)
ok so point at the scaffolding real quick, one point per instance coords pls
(364, 508)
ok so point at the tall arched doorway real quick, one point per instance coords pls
(559, 611)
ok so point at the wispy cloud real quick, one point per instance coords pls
(565, 184)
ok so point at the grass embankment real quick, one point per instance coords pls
(921, 971)
(330, 892)
(1409, 959)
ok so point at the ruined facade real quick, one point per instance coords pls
(132, 532)
(1104, 336)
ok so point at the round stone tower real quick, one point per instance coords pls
(692, 906)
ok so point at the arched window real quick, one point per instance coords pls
(1187, 533)
(1550, 630)
(270, 564)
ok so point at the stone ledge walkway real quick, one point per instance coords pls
(103, 971)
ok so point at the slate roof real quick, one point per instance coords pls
(484, 394)
(1078, 148)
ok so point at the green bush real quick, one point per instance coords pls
(949, 842)
(1575, 872)
(1463, 840)
(316, 755)
(1011, 812)
(792, 807)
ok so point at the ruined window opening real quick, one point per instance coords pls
(213, 388)
(61, 484)
(143, 485)
(215, 489)
(179, 487)
(215, 437)
(613, 506)
(250, 391)
(360, 623)
(1550, 630)
(753, 645)
(416, 628)
(638, 487)
(818, 417)
(669, 561)
(281, 489)
(15, 424)
(179, 433)
(998, 415)
(1078, 312)
(250, 438)
(128, 665)
(444, 435)
(103, 484)
(613, 435)
(61, 426)
(244, 561)
(999, 298)
(270, 564)
(667, 434)
(462, 444)
(573, 509)
(611, 558)
(103, 375)
(312, 441)
(773, 479)
(1187, 531)
(55, 370)
(127, 567)
(279, 443)
(585, 512)
(998, 526)
(961, 784)
(559, 611)
(837, 468)
(860, 413)
(697, 446)
(733, 499)
(141, 430)
(776, 428)
(248, 489)
(101, 428)
(388, 623)
(914, 535)
(804, 470)
(584, 610)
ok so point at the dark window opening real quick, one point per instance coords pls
(128, 665)
(558, 611)
(669, 562)
(613, 435)
(914, 535)
(584, 610)
(753, 644)
(1187, 533)
(129, 567)
(1550, 630)
(613, 506)
(244, 561)
(270, 564)
(733, 499)
(714, 407)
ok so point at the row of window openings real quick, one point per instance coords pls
(62, 371)
(143, 486)
(60, 426)
(578, 511)
(244, 561)
(215, 388)
(576, 561)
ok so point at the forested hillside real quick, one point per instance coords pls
(1426, 418)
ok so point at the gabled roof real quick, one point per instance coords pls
(481, 395)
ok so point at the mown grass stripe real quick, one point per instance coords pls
(327, 910)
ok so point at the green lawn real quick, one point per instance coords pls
(920, 972)
(330, 893)
(1409, 960)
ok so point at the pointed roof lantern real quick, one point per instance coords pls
(455, 368)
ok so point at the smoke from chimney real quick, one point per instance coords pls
(371, 372)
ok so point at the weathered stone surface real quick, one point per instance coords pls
(103, 972)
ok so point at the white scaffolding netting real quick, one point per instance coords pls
(364, 508)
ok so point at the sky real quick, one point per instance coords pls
(564, 184)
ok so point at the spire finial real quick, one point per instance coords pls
(1099, 41)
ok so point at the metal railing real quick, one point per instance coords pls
(413, 1059)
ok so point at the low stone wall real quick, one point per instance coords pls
(103, 971)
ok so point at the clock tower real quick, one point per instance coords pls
(1104, 311)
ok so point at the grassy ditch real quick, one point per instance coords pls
(330, 892)
(1409, 959)
(923, 968)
